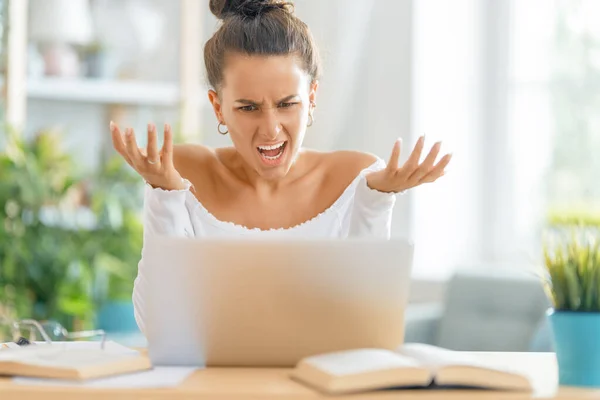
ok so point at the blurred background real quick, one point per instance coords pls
(510, 87)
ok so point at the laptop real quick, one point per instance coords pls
(270, 303)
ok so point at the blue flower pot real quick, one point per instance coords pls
(117, 316)
(577, 345)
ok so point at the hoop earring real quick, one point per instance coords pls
(219, 129)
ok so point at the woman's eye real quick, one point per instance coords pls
(286, 105)
(247, 108)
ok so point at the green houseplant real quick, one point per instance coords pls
(69, 243)
(38, 259)
(573, 283)
(115, 194)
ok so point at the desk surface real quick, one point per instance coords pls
(259, 383)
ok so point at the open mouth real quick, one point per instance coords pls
(273, 152)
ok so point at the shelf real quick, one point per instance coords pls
(104, 91)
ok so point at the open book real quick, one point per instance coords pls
(75, 361)
(412, 365)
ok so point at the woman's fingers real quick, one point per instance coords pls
(395, 157)
(154, 165)
(152, 148)
(438, 170)
(117, 139)
(133, 150)
(413, 161)
(433, 153)
(427, 164)
(118, 143)
(167, 150)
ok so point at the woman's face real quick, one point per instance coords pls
(265, 103)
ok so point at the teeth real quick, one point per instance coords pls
(271, 147)
(272, 158)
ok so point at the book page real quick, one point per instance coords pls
(67, 354)
(434, 358)
(360, 361)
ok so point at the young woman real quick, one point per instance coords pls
(263, 67)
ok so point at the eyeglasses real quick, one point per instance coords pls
(26, 331)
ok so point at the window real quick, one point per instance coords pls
(555, 95)
(513, 87)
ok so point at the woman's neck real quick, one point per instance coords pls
(263, 186)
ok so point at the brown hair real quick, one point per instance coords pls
(258, 27)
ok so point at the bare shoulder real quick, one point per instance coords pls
(341, 167)
(191, 155)
(190, 160)
(355, 160)
(348, 163)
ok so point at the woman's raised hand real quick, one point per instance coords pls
(397, 179)
(154, 165)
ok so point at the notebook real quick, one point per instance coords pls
(85, 360)
(412, 365)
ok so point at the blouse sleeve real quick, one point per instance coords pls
(372, 210)
(165, 214)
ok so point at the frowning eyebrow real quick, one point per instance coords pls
(253, 103)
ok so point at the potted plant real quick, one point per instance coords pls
(42, 274)
(573, 283)
(69, 242)
(115, 197)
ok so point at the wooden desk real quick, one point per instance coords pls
(240, 384)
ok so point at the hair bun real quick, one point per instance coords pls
(245, 8)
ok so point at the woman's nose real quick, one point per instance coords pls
(272, 126)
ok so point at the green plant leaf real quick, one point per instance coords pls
(55, 266)
(573, 265)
